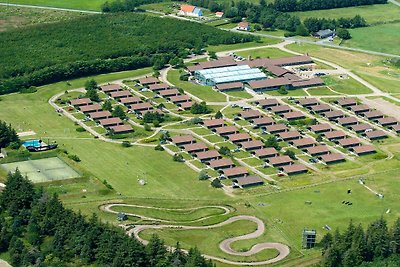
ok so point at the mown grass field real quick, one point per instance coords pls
(71, 4)
(386, 38)
(373, 69)
(264, 53)
(345, 85)
(263, 41)
(204, 92)
(372, 14)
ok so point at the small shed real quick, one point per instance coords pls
(121, 216)
(322, 34)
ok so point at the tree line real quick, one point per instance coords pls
(306, 5)
(49, 53)
(267, 16)
(378, 245)
(37, 230)
(126, 5)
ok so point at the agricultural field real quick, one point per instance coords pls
(94, 5)
(13, 17)
(373, 14)
(386, 38)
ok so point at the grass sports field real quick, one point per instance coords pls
(43, 170)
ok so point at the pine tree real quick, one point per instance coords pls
(218, 115)
(395, 237)
(378, 239)
(18, 193)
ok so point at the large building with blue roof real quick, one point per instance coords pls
(242, 73)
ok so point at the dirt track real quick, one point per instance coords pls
(225, 245)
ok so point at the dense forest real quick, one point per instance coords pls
(37, 230)
(376, 246)
(110, 42)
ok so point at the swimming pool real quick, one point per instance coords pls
(34, 143)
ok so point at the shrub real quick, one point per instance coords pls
(74, 158)
(282, 90)
(158, 148)
(156, 123)
(147, 127)
(126, 144)
(30, 90)
(203, 175)
(15, 145)
(225, 151)
(178, 158)
(216, 183)
(80, 129)
(107, 185)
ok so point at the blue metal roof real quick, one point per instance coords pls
(229, 74)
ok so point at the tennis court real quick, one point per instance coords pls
(43, 170)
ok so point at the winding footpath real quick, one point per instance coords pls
(225, 245)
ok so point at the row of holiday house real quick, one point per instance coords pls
(228, 74)
(326, 130)
(103, 117)
(351, 122)
(298, 140)
(183, 101)
(225, 166)
(368, 113)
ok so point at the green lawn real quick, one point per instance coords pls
(373, 69)
(386, 37)
(295, 92)
(204, 92)
(239, 94)
(264, 53)
(345, 85)
(220, 48)
(321, 91)
(372, 13)
(71, 4)
(177, 215)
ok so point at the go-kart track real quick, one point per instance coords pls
(225, 245)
